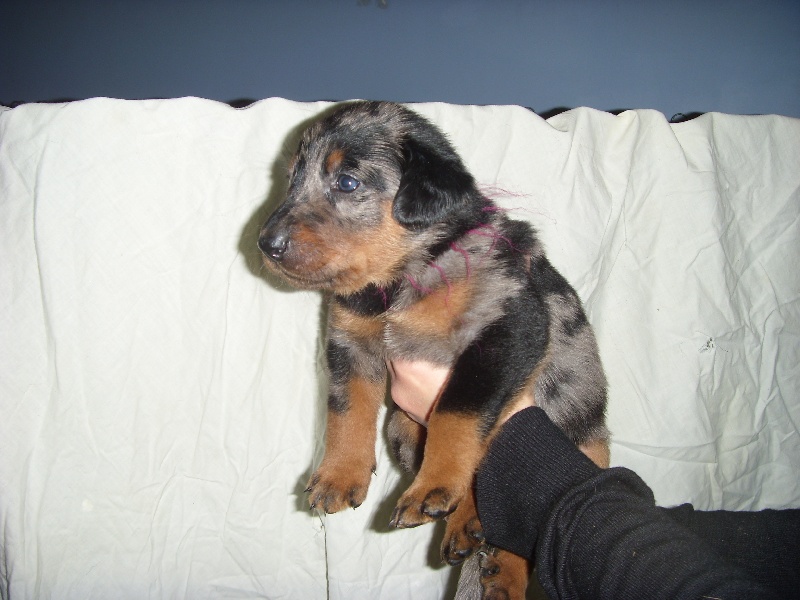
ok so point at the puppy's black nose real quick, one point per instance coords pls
(274, 244)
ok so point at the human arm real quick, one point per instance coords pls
(592, 533)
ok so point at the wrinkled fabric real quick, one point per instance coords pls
(162, 398)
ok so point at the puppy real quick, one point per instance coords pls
(383, 217)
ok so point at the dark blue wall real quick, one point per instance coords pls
(738, 56)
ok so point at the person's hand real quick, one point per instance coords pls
(416, 385)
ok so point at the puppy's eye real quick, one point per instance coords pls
(347, 184)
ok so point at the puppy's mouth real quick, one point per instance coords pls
(304, 280)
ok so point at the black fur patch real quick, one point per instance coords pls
(339, 362)
(435, 185)
(370, 301)
(484, 379)
(338, 404)
(548, 278)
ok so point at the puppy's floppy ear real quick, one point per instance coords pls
(433, 185)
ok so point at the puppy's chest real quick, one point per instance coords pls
(433, 323)
(419, 322)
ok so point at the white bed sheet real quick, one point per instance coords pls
(162, 403)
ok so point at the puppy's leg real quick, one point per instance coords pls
(452, 452)
(487, 376)
(407, 440)
(341, 481)
(463, 533)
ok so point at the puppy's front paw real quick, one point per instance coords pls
(464, 533)
(504, 576)
(332, 489)
(421, 505)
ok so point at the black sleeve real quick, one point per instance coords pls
(765, 544)
(592, 533)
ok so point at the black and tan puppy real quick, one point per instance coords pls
(382, 215)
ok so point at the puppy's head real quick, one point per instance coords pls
(371, 187)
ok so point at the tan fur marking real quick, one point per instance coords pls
(439, 313)
(313, 250)
(341, 481)
(453, 450)
(355, 325)
(334, 160)
(351, 435)
(378, 255)
(598, 452)
(350, 261)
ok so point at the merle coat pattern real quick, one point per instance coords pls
(383, 217)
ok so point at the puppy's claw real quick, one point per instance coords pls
(477, 535)
(456, 557)
(488, 566)
(397, 519)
